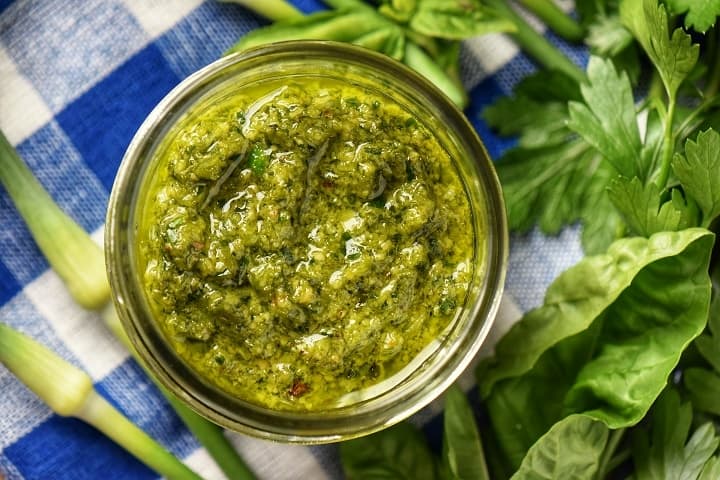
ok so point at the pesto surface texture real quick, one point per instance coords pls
(303, 240)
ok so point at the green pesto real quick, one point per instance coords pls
(302, 241)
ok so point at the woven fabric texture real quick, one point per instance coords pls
(76, 81)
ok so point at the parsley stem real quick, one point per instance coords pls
(555, 18)
(340, 4)
(416, 58)
(80, 263)
(69, 392)
(208, 434)
(275, 10)
(535, 45)
(76, 258)
(667, 148)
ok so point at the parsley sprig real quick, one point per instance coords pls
(649, 180)
(631, 153)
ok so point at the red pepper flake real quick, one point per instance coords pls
(328, 184)
(198, 245)
(299, 388)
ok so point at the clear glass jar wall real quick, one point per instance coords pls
(390, 401)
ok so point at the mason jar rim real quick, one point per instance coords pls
(279, 425)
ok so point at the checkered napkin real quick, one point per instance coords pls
(77, 79)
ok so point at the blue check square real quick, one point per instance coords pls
(61, 56)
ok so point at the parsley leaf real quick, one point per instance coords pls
(701, 14)
(546, 185)
(699, 173)
(552, 177)
(674, 57)
(607, 118)
(666, 451)
(601, 222)
(643, 210)
(537, 112)
(607, 36)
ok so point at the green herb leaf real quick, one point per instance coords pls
(257, 159)
(570, 450)
(699, 173)
(339, 25)
(556, 185)
(400, 11)
(419, 60)
(546, 185)
(703, 384)
(537, 112)
(643, 210)
(704, 389)
(607, 36)
(663, 452)
(708, 344)
(588, 289)
(548, 177)
(456, 19)
(674, 57)
(399, 452)
(701, 15)
(711, 470)
(611, 330)
(388, 40)
(607, 118)
(601, 222)
(462, 456)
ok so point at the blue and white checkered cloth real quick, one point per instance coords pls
(77, 79)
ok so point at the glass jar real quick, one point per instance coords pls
(438, 365)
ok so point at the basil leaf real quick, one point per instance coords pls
(665, 451)
(398, 452)
(611, 330)
(462, 456)
(644, 332)
(711, 470)
(524, 408)
(570, 450)
(585, 291)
